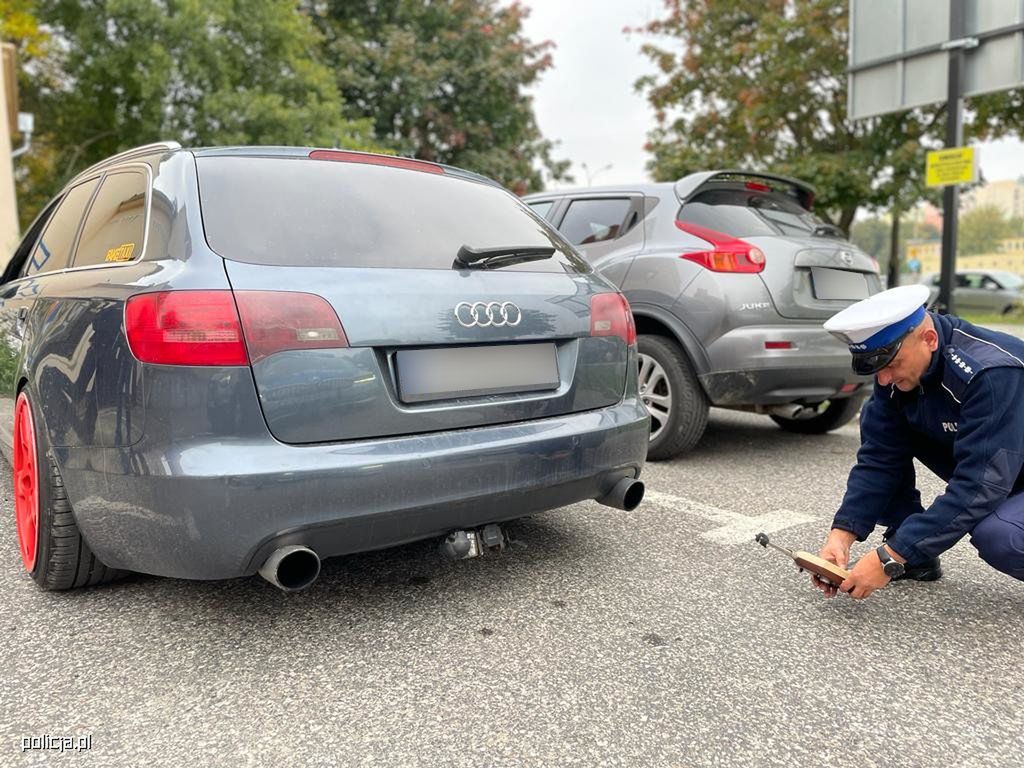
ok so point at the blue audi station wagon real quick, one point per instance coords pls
(224, 361)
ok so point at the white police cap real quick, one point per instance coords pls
(874, 328)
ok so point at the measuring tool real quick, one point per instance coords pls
(820, 567)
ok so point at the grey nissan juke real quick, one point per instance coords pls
(730, 276)
(224, 361)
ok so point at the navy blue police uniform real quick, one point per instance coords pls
(965, 422)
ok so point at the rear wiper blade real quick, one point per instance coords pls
(492, 258)
(828, 229)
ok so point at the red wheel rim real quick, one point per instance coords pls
(26, 482)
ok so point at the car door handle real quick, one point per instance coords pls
(22, 314)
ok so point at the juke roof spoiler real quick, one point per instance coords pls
(688, 186)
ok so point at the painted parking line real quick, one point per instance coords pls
(731, 527)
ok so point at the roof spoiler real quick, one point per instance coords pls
(688, 186)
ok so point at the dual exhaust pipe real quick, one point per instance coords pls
(295, 567)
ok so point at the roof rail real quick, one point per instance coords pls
(145, 149)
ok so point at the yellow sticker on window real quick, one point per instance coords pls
(121, 253)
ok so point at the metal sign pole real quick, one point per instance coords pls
(954, 138)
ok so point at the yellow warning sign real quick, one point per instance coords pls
(121, 253)
(946, 167)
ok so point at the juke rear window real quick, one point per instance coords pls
(743, 212)
(319, 213)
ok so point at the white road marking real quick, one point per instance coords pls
(732, 527)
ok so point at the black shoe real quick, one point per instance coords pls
(929, 570)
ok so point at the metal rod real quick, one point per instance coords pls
(954, 137)
(762, 539)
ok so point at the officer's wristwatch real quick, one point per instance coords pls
(893, 568)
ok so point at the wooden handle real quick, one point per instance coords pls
(830, 572)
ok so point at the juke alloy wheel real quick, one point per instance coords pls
(673, 396)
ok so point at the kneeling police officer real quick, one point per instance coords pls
(951, 395)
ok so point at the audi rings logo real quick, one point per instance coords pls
(488, 314)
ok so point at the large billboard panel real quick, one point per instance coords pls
(897, 61)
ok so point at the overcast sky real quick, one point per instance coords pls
(587, 102)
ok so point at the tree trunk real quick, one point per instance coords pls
(894, 250)
(846, 218)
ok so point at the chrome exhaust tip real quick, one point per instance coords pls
(291, 568)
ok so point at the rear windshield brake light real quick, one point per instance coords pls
(339, 156)
(729, 254)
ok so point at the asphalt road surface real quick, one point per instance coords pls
(661, 637)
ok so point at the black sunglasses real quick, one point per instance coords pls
(872, 362)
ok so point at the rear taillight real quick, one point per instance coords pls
(610, 316)
(276, 321)
(729, 253)
(206, 328)
(185, 328)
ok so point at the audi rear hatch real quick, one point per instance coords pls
(383, 296)
(810, 270)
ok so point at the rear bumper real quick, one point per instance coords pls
(744, 372)
(214, 509)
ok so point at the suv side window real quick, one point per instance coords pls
(53, 251)
(594, 221)
(542, 208)
(116, 225)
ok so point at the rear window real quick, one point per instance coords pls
(317, 213)
(594, 221)
(748, 213)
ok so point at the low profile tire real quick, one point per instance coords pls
(52, 549)
(836, 414)
(673, 396)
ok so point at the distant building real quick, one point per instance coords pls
(1007, 196)
(1009, 256)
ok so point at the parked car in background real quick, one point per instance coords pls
(992, 290)
(236, 359)
(730, 276)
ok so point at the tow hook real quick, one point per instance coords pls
(462, 545)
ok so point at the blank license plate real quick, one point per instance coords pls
(838, 284)
(445, 373)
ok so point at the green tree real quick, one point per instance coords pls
(764, 86)
(871, 236)
(443, 81)
(128, 72)
(981, 229)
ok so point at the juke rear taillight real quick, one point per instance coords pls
(610, 315)
(221, 328)
(728, 254)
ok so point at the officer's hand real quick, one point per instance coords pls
(867, 576)
(836, 550)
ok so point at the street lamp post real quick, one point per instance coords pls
(593, 175)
